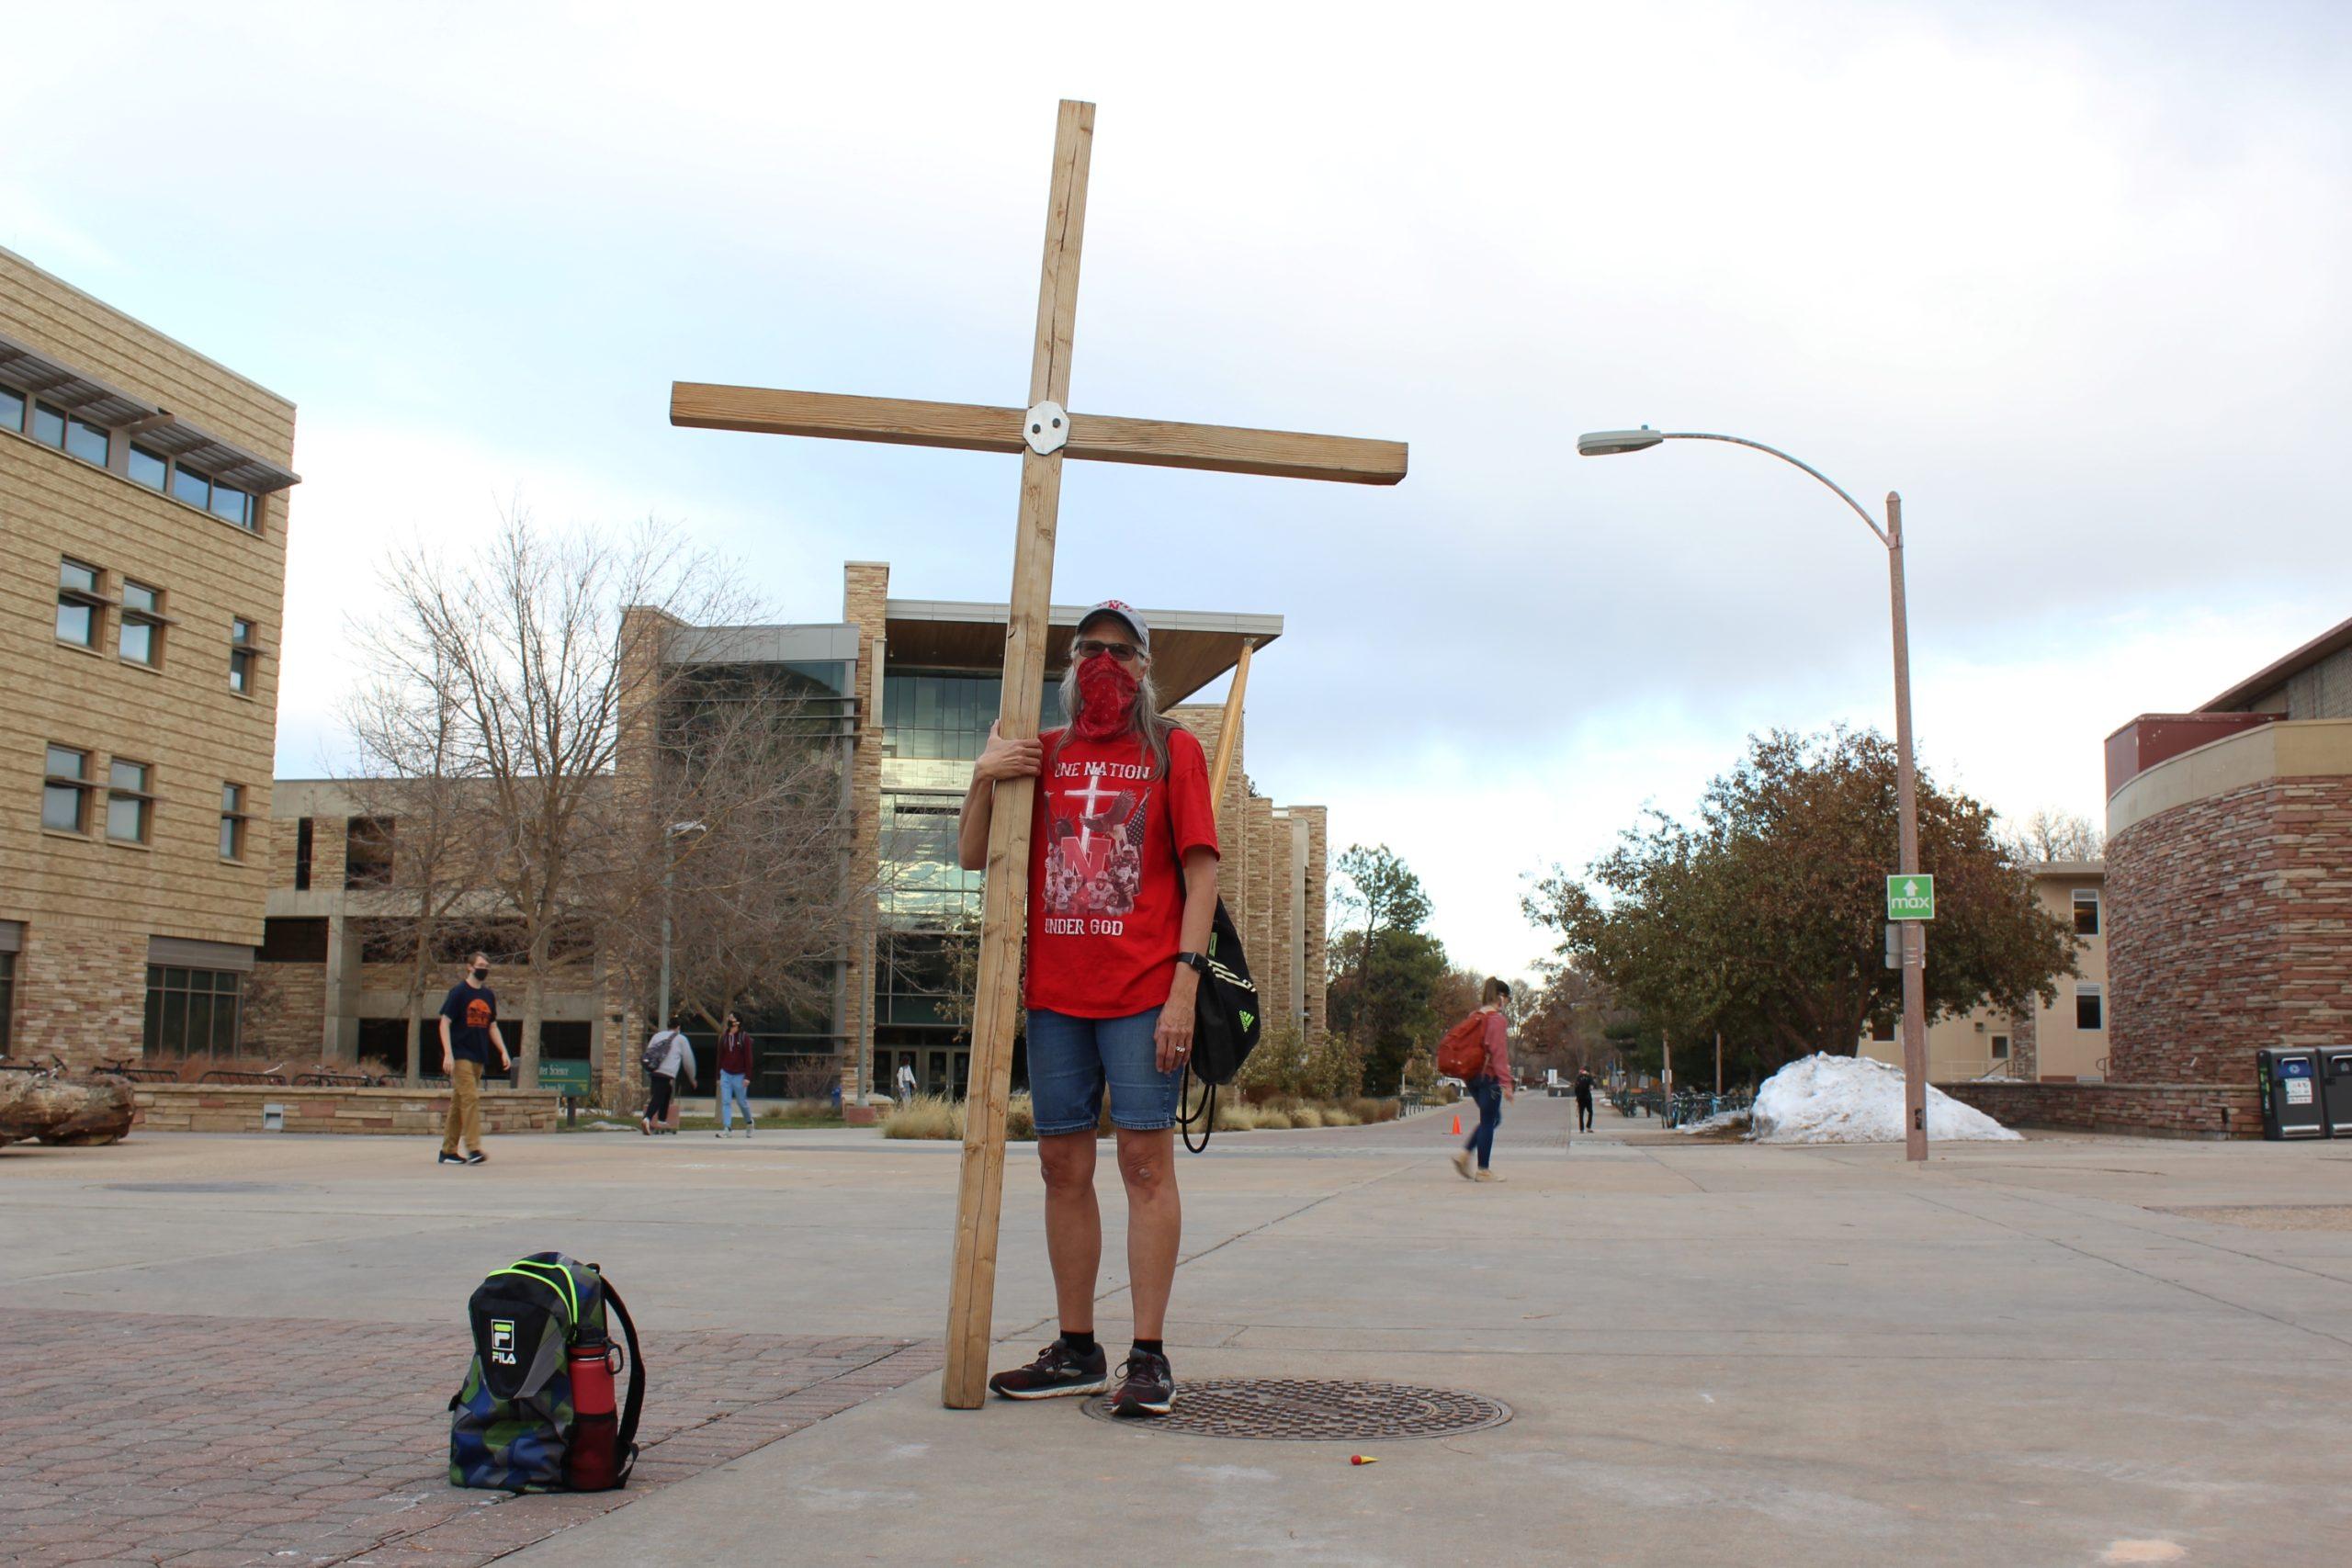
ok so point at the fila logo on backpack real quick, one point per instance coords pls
(535, 1413)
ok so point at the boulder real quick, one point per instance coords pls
(63, 1109)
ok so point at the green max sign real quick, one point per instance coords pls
(1911, 897)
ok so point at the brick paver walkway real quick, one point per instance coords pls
(199, 1441)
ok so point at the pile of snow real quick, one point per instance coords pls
(1721, 1121)
(1852, 1100)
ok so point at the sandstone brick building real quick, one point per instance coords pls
(910, 688)
(2229, 855)
(143, 569)
(2229, 900)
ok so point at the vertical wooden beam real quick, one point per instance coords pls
(971, 1299)
(1228, 734)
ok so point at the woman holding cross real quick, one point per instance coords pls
(1123, 862)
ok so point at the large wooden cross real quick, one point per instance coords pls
(1043, 434)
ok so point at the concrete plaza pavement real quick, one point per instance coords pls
(2068, 1350)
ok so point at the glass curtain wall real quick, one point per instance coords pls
(935, 723)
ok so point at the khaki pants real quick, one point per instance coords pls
(465, 1108)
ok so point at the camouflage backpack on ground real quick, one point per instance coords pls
(535, 1413)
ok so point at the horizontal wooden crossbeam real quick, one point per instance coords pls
(973, 427)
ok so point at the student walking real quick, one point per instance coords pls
(734, 1076)
(1490, 1086)
(1584, 1100)
(669, 1056)
(1123, 864)
(906, 1081)
(468, 1034)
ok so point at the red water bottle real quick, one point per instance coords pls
(592, 1460)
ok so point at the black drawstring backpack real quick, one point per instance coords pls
(1225, 1028)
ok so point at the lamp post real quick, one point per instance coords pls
(1611, 443)
(669, 835)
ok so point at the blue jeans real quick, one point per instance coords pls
(1489, 1094)
(1071, 1059)
(734, 1089)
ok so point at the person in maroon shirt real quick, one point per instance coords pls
(734, 1076)
(1123, 860)
(1490, 1086)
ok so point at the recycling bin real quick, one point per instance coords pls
(2291, 1107)
(2336, 1089)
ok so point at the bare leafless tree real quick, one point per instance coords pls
(543, 646)
(740, 829)
(2052, 835)
(410, 783)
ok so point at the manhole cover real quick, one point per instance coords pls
(201, 1187)
(1313, 1410)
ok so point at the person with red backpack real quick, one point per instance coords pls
(1487, 1072)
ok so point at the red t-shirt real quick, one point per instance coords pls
(1107, 872)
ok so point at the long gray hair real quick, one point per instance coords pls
(1151, 725)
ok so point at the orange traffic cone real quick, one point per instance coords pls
(1458, 1123)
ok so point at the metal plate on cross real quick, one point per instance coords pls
(1911, 896)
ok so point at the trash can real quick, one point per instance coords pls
(2291, 1092)
(2336, 1089)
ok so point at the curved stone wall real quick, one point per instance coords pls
(2230, 928)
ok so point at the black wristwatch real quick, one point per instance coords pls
(1193, 961)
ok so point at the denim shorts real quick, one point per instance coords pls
(1071, 1059)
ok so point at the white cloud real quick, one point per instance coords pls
(2066, 277)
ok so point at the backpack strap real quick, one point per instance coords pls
(625, 1443)
(1203, 1114)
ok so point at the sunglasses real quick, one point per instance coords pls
(1088, 647)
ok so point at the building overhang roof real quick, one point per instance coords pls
(157, 428)
(1189, 648)
(2333, 640)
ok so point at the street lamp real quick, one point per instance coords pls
(669, 835)
(1612, 443)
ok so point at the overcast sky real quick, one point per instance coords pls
(2069, 277)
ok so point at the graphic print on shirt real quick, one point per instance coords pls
(1096, 814)
(477, 1014)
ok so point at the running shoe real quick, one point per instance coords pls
(1057, 1370)
(1146, 1386)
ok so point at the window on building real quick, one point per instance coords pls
(1882, 1028)
(65, 791)
(233, 504)
(149, 468)
(192, 488)
(302, 855)
(242, 654)
(299, 939)
(2087, 912)
(223, 501)
(192, 1012)
(87, 441)
(2000, 1047)
(368, 853)
(139, 638)
(81, 608)
(383, 1041)
(12, 410)
(49, 425)
(8, 972)
(130, 801)
(232, 821)
(2091, 1007)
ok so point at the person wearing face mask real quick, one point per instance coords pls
(1123, 862)
(468, 1034)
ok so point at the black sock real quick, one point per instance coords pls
(1082, 1344)
(1149, 1347)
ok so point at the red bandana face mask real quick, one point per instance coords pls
(1106, 694)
